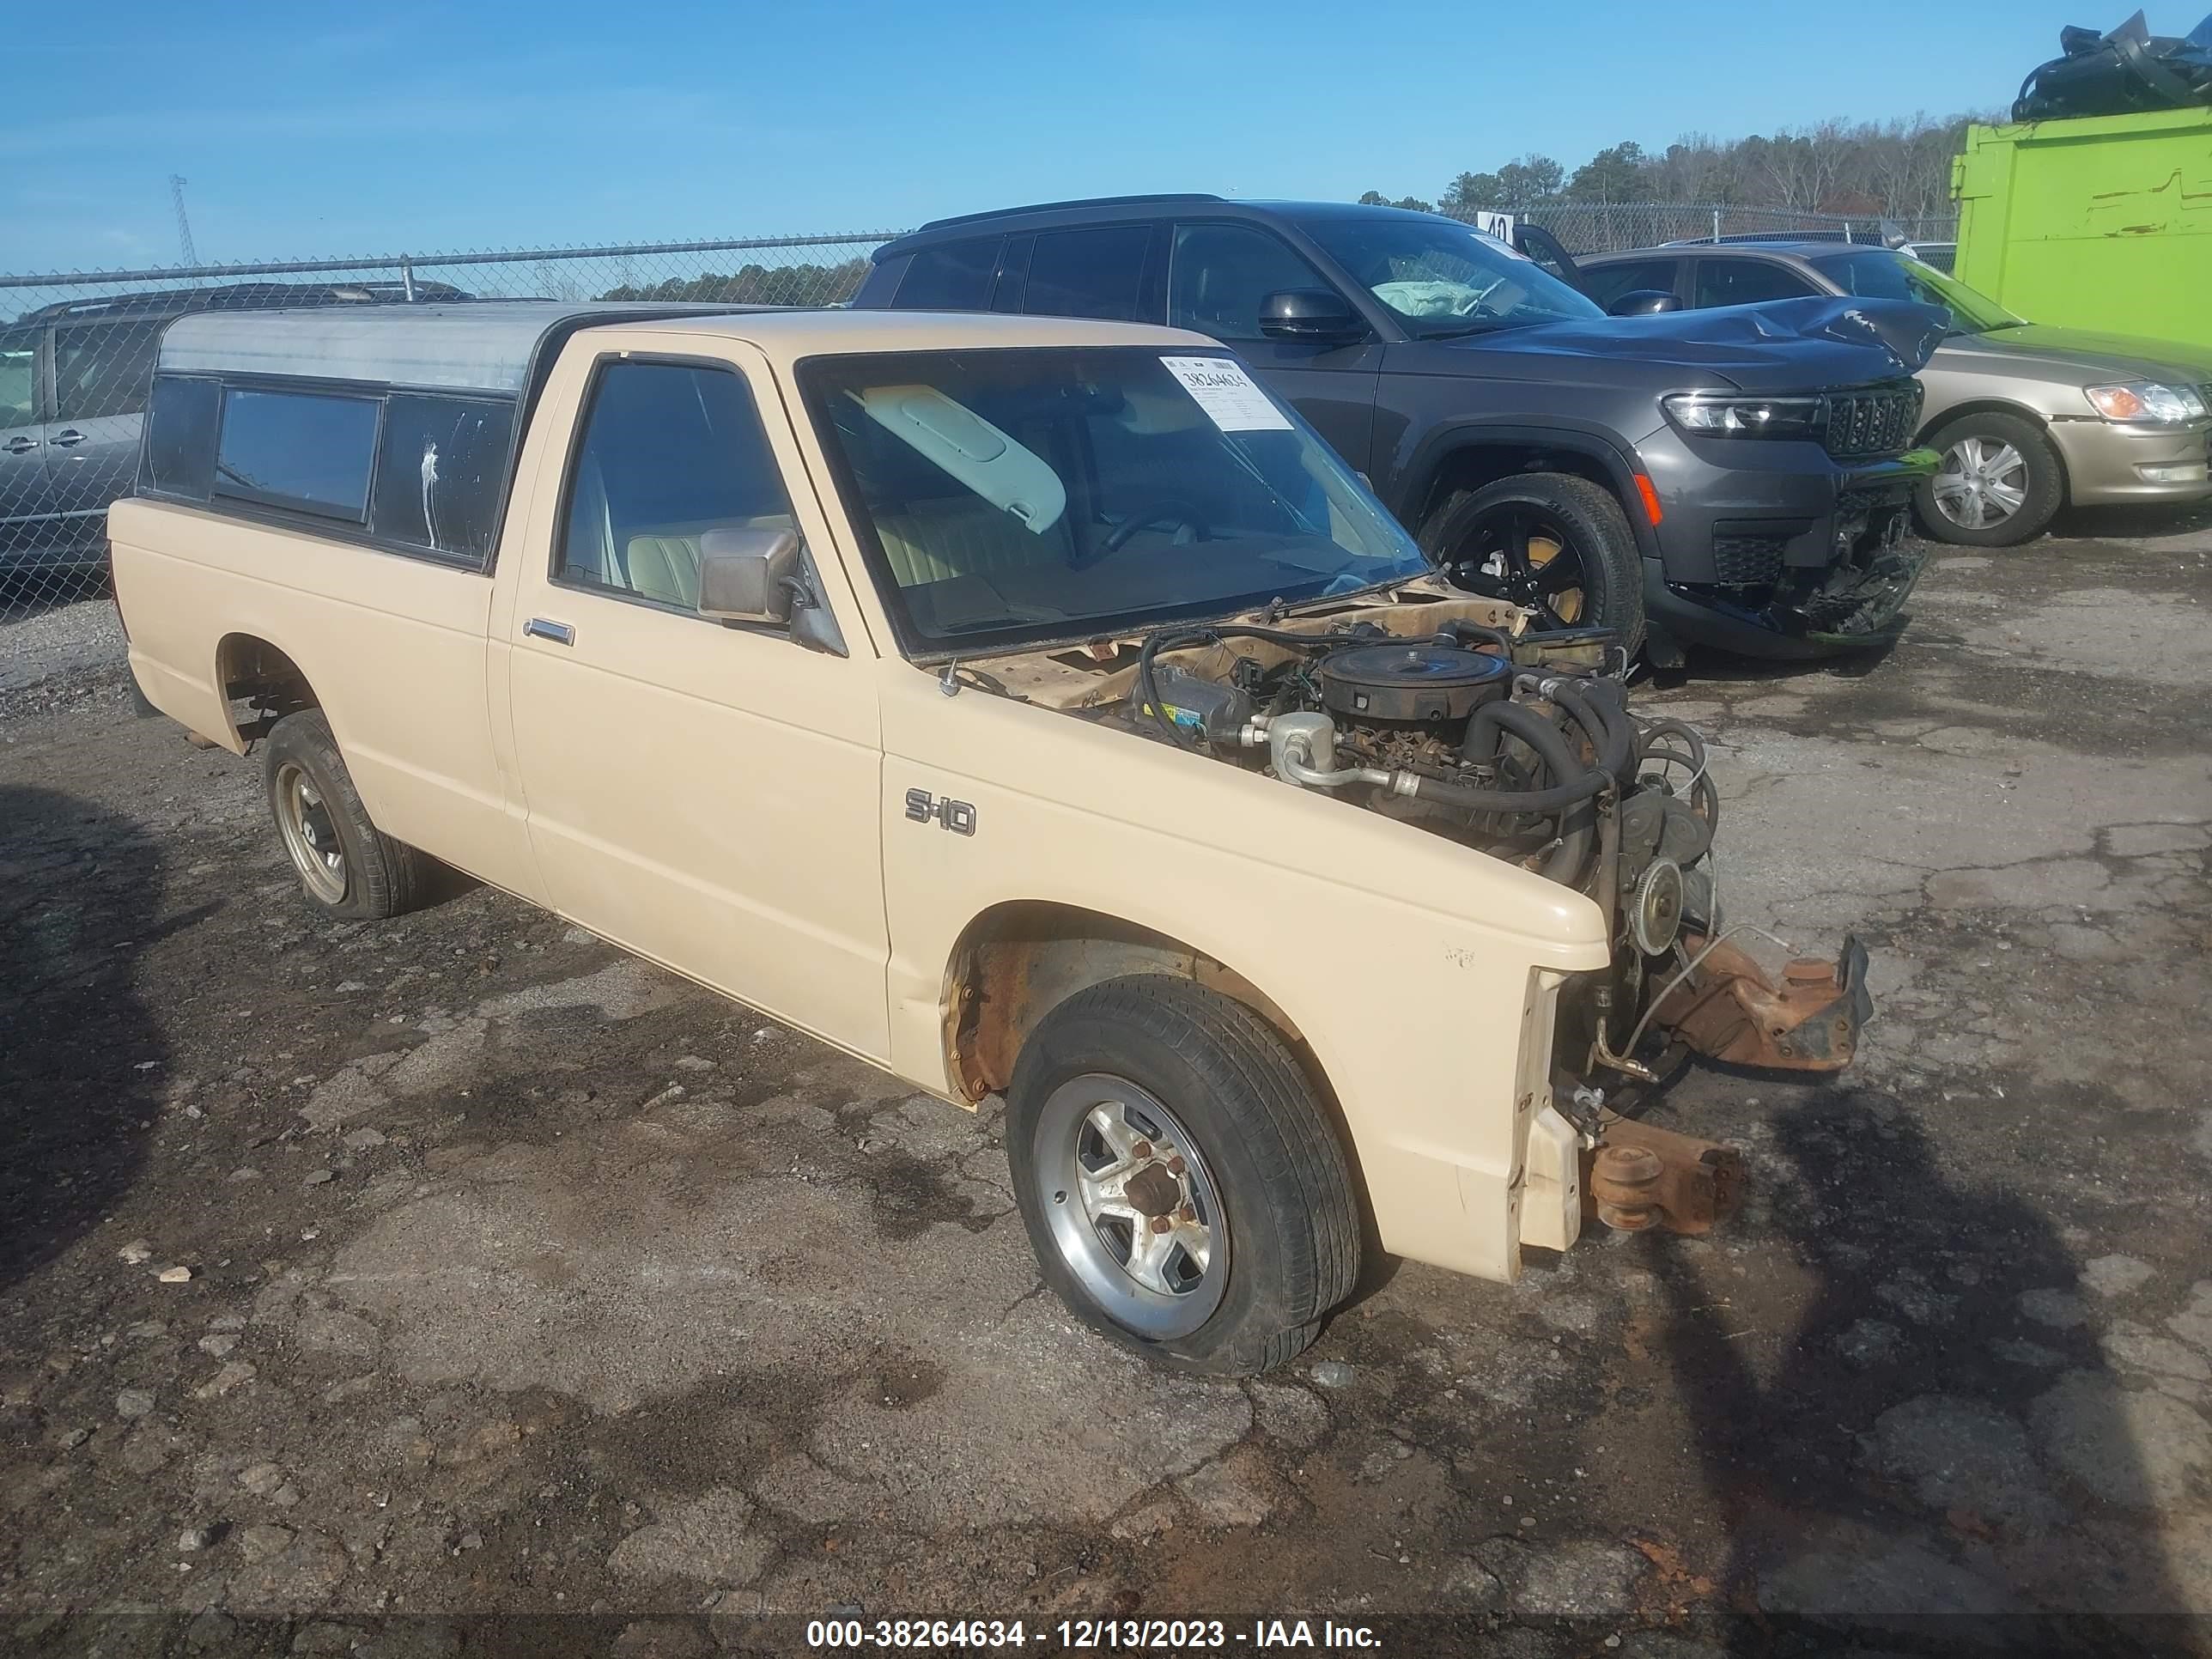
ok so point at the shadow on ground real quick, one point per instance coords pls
(1919, 1285)
(82, 1060)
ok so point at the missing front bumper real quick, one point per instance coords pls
(1729, 1011)
(1638, 1177)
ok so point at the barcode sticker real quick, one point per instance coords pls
(1227, 394)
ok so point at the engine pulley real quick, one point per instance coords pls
(1654, 907)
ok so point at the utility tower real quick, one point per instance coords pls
(184, 249)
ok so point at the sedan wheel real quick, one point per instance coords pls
(2000, 482)
(1983, 482)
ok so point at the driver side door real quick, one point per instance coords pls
(704, 793)
(1219, 272)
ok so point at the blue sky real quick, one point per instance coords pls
(310, 130)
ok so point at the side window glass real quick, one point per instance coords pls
(1089, 273)
(18, 377)
(670, 452)
(180, 422)
(441, 472)
(1748, 283)
(1218, 273)
(954, 276)
(1606, 283)
(301, 450)
(103, 369)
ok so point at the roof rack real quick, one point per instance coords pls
(1084, 201)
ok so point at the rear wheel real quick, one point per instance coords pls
(2000, 483)
(1184, 1189)
(347, 868)
(1553, 542)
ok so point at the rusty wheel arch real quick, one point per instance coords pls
(1017, 961)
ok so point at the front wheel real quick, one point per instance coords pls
(2000, 483)
(1553, 542)
(1183, 1188)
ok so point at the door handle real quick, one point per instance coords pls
(20, 445)
(560, 633)
(68, 438)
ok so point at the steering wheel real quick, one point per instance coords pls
(1180, 514)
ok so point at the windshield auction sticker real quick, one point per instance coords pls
(1227, 394)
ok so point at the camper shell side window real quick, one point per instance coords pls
(419, 472)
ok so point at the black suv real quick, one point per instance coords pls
(1736, 478)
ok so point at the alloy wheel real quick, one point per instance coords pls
(1524, 557)
(1132, 1206)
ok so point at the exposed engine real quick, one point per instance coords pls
(1523, 747)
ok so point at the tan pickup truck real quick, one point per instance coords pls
(1028, 706)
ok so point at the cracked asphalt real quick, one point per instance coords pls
(457, 1284)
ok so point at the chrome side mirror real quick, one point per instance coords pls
(759, 575)
(748, 576)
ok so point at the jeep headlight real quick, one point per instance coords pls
(1731, 414)
(2147, 403)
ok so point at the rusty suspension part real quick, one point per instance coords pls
(1638, 1177)
(1727, 1009)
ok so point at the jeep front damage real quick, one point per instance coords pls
(1449, 713)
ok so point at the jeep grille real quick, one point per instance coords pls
(1879, 420)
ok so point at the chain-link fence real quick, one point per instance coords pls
(1614, 226)
(76, 357)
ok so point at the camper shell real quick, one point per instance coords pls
(423, 411)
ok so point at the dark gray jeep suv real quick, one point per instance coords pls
(1736, 478)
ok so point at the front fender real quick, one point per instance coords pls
(1425, 463)
(1408, 964)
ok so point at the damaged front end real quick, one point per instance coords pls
(1451, 714)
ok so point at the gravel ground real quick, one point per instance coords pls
(457, 1285)
(70, 644)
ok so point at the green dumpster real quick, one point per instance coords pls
(2101, 221)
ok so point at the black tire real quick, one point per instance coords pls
(2041, 480)
(1266, 1152)
(1500, 523)
(379, 877)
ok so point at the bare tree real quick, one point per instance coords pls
(1896, 168)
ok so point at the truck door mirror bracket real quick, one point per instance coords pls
(765, 575)
(745, 575)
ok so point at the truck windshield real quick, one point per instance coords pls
(1444, 279)
(1017, 497)
(1879, 273)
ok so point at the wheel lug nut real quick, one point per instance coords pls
(1176, 1166)
(1161, 1224)
(1142, 1149)
(1189, 1213)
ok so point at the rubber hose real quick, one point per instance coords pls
(1461, 633)
(1577, 828)
(1701, 786)
(1613, 740)
(1688, 734)
(1469, 799)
